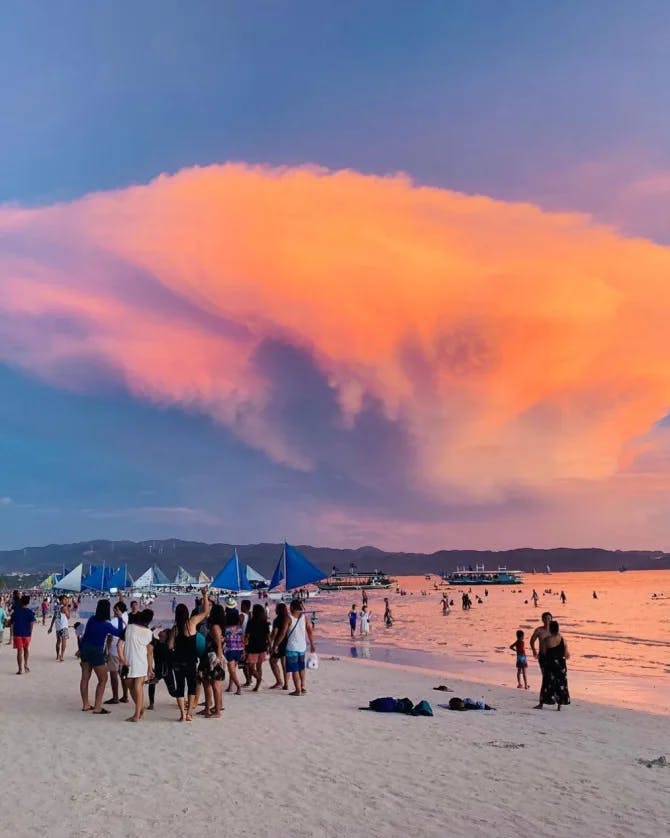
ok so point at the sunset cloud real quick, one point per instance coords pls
(476, 351)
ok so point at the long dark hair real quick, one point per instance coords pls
(258, 614)
(217, 616)
(181, 618)
(103, 610)
(232, 617)
(282, 611)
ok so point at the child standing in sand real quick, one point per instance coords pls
(519, 646)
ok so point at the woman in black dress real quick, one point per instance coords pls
(182, 645)
(554, 671)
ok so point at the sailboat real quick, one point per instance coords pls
(232, 576)
(71, 581)
(295, 571)
(153, 577)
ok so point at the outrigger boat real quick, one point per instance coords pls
(480, 576)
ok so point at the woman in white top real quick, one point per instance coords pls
(138, 654)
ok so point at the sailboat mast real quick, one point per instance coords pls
(284, 560)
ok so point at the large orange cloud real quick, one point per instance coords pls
(516, 346)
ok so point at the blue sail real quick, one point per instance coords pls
(278, 575)
(94, 580)
(295, 569)
(232, 576)
(117, 579)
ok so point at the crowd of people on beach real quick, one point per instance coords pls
(205, 646)
(217, 641)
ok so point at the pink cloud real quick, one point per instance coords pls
(516, 347)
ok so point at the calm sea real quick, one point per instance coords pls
(619, 641)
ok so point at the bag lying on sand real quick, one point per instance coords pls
(423, 708)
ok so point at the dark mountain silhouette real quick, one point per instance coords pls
(196, 556)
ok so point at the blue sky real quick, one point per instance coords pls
(559, 104)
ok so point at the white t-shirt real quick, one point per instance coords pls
(297, 635)
(119, 622)
(135, 650)
(365, 622)
(61, 621)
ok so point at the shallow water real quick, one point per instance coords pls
(619, 643)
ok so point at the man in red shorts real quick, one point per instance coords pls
(22, 625)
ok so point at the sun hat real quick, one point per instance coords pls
(231, 602)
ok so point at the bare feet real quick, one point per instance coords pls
(132, 719)
(101, 712)
(86, 709)
(295, 692)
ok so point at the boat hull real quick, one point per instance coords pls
(474, 581)
(384, 586)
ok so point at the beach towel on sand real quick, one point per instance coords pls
(387, 704)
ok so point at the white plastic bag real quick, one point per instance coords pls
(312, 661)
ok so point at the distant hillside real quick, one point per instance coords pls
(196, 556)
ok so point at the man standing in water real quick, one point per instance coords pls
(538, 636)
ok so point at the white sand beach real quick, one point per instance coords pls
(316, 765)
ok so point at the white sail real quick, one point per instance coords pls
(145, 580)
(72, 580)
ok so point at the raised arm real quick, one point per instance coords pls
(195, 621)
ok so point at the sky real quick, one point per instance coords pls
(356, 273)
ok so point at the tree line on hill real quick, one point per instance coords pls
(196, 556)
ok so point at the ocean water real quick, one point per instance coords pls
(619, 643)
